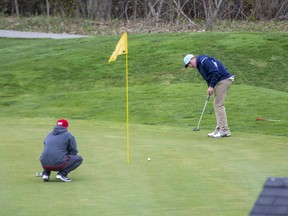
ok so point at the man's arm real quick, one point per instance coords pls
(72, 149)
(213, 72)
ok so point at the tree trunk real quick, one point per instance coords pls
(89, 9)
(135, 11)
(282, 10)
(180, 11)
(16, 7)
(213, 13)
(47, 8)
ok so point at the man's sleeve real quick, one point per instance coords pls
(72, 149)
(212, 69)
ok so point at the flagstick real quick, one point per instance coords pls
(121, 49)
(127, 112)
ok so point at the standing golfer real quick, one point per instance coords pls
(219, 80)
(60, 152)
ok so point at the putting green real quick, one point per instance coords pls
(188, 174)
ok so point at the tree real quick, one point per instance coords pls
(211, 11)
(16, 7)
(48, 8)
(172, 11)
(180, 12)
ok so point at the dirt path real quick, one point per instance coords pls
(20, 34)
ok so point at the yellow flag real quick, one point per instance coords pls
(121, 47)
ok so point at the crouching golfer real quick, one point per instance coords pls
(60, 152)
(219, 80)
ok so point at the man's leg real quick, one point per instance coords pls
(73, 162)
(220, 92)
(46, 175)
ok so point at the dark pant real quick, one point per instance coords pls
(71, 164)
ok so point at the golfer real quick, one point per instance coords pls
(219, 80)
(60, 152)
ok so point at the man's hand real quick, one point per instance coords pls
(210, 90)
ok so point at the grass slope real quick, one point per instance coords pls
(258, 59)
(71, 78)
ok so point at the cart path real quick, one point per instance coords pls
(20, 34)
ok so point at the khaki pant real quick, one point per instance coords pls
(220, 92)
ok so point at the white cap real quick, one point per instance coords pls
(187, 59)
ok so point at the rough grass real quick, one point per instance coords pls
(92, 27)
(72, 78)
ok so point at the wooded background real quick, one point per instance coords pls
(150, 10)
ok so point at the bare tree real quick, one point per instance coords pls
(48, 8)
(180, 11)
(211, 10)
(135, 10)
(99, 9)
(282, 13)
(16, 7)
(155, 8)
(173, 11)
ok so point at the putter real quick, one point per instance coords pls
(198, 126)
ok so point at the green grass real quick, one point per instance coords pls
(177, 105)
(188, 174)
(258, 59)
(72, 78)
(43, 80)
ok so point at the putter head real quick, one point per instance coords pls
(196, 129)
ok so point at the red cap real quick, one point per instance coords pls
(63, 123)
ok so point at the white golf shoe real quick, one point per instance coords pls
(63, 178)
(46, 177)
(222, 133)
(217, 129)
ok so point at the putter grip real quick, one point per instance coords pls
(208, 97)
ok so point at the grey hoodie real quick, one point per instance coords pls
(58, 144)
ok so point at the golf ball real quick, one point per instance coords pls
(148, 158)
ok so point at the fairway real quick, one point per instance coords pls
(189, 173)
